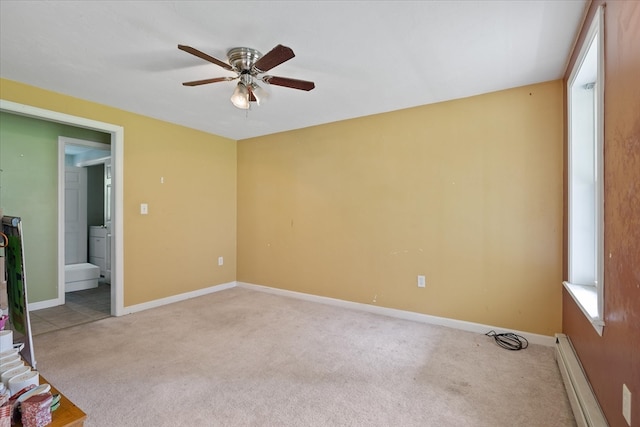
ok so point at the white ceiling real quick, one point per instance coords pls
(365, 57)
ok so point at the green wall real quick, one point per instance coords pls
(95, 195)
(29, 189)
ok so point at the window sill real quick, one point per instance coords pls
(587, 299)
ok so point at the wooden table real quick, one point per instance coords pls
(67, 415)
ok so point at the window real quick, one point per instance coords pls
(585, 96)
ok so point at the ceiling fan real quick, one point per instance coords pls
(248, 64)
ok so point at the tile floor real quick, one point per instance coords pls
(80, 307)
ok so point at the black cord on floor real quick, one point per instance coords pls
(509, 340)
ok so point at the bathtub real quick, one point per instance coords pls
(82, 276)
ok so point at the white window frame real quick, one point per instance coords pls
(588, 292)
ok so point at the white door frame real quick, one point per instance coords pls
(117, 162)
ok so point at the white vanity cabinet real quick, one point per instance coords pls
(100, 250)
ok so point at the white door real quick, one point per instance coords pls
(75, 215)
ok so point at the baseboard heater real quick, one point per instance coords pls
(584, 404)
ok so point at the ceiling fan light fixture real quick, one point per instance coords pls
(240, 97)
(260, 94)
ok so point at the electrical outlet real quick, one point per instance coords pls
(421, 282)
(220, 260)
(626, 403)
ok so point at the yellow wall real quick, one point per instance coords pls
(467, 192)
(192, 216)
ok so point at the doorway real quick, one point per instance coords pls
(85, 175)
(87, 219)
(117, 161)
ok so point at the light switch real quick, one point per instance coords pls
(144, 209)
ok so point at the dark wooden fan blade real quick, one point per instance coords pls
(274, 57)
(204, 56)
(287, 82)
(206, 81)
(252, 97)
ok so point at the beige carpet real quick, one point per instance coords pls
(246, 358)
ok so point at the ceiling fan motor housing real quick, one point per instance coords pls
(242, 59)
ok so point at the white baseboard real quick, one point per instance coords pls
(176, 298)
(391, 312)
(146, 305)
(401, 314)
(40, 305)
(584, 404)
